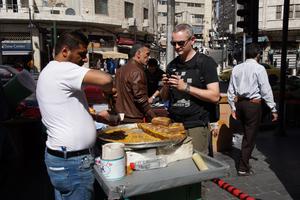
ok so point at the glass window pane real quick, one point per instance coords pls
(278, 12)
(297, 11)
(291, 11)
(128, 10)
(146, 13)
(101, 7)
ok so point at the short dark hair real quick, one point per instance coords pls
(252, 50)
(153, 62)
(71, 39)
(136, 47)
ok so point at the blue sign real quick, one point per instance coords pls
(16, 46)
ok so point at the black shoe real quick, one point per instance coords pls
(245, 173)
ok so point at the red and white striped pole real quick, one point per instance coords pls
(232, 190)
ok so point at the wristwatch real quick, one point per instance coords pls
(187, 88)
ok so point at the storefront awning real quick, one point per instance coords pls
(112, 54)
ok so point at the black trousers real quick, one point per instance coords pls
(249, 114)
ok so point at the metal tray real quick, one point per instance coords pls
(176, 174)
(141, 145)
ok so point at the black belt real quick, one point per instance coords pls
(68, 154)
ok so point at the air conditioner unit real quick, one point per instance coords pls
(146, 23)
(124, 25)
(131, 21)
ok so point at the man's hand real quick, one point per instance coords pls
(177, 82)
(234, 115)
(274, 116)
(150, 100)
(108, 118)
(165, 80)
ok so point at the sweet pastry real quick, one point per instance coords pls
(173, 131)
(161, 129)
(161, 121)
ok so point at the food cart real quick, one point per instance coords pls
(176, 179)
(175, 175)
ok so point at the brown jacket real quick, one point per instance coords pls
(131, 85)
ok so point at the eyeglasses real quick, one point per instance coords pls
(180, 43)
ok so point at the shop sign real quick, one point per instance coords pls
(125, 41)
(16, 46)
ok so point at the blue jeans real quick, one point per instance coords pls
(72, 178)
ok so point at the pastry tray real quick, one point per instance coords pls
(141, 145)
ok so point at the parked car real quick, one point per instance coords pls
(7, 73)
(273, 73)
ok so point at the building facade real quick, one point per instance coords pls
(270, 21)
(198, 13)
(270, 24)
(29, 28)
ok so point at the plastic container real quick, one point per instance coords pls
(155, 163)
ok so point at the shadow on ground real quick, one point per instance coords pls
(282, 155)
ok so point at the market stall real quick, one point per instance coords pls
(179, 173)
(176, 175)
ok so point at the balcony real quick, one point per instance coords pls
(62, 14)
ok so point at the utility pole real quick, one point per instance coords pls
(31, 41)
(170, 28)
(285, 28)
(1, 62)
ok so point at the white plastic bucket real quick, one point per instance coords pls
(113, 169)
(112, 162)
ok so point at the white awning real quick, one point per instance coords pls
(111, 54)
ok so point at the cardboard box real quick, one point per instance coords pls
(222, 135)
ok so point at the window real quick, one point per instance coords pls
(146, 16)
(162, 14)
(291, 11)
(128, 10)
(177, 3)
(101, 7)
(162, 2)
(197, 4)
(297, 11)
(278, 12)
(197, 19)
(190, 4)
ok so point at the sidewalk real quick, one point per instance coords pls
(276, 169)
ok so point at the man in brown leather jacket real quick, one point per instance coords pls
(131, 85)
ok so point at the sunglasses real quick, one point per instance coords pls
(180, 43)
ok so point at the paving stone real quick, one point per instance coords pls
(276, 170)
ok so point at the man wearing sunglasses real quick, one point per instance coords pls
(191, 84)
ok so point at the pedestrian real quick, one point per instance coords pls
(154, 76)
(234, 62)
(248, 88)
(270, 56)
(191, 85)
(275, 63)
(70, 127)
(131, 85)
